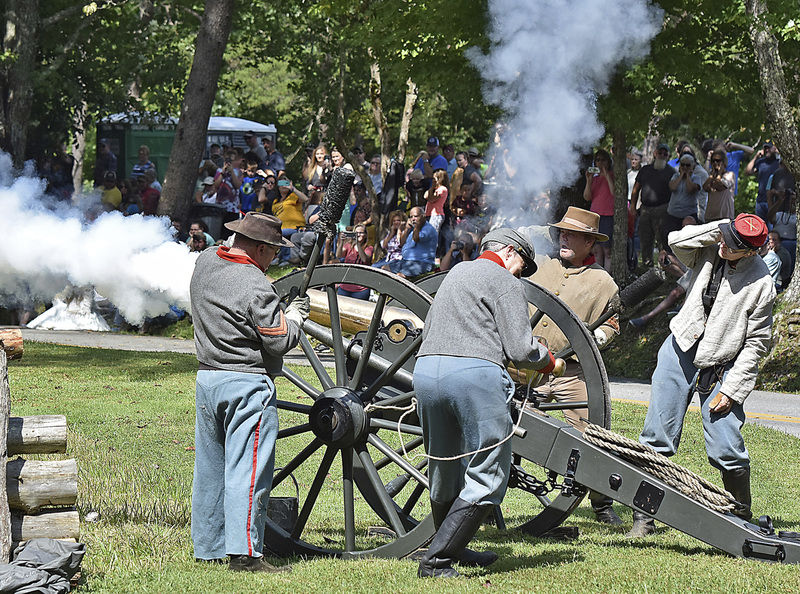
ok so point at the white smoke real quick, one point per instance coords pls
(548, 61)
(133, 261)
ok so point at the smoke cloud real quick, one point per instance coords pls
(548, 61)
(133, 261)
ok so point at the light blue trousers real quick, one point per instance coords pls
(235, 430)
(463, 407)
(673, 381)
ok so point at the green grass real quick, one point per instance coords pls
(131, 421)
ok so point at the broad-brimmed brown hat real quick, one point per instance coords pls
(260, 226)
(582, 221)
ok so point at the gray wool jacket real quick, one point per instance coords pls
(238, 322)
(739, 325)
(480, 311)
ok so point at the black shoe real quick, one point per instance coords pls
(643, 525)
(467, 557)
(737, 483)
(253, 564)
(451, 539)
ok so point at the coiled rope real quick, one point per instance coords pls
(693, 486)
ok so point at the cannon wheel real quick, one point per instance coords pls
(555, 510)
(338, 424)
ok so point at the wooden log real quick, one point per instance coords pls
(11, 341)
(34, 484)
(62, 523)
(42, 434)
(5, 408)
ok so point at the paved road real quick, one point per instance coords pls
(772, 409)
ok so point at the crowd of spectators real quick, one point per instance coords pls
(436, 207)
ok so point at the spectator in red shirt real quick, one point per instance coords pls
(354, 250)
(599, 191)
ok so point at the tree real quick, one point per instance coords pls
(190, 136)
(779, 112)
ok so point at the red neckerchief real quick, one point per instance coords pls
(590, 259)
(224, 252)
(487, 255)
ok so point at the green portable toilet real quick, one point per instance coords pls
(126, 132)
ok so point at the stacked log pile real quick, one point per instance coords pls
(37, 497)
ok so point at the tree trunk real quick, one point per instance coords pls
(20, 45)
(201, 88)
(79, 148)
(340, 122)
(778, 110)
(375, 95)
(405, 123)
(5, 410)
(619, 249)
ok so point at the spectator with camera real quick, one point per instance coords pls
(391, 242)
(599, 192)
(418, 241)
(720, 186)
(683, 201)
(227, 182)
(763, 164)
(289, 209)
(352, 248)
(461, 249)
(267, 194)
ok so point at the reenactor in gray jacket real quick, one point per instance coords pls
(241, 334)
(717, 340)
(471, 333)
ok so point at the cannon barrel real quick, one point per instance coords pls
(356, 314)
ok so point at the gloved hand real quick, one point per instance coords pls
(298, 310)
(600, 337)
(555, 366)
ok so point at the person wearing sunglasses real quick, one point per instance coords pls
(718, 337)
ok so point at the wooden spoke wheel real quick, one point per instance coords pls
(336, 439)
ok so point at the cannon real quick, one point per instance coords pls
(359, 413)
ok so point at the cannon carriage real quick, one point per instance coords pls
(355, 432)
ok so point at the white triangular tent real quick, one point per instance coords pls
(73, 309)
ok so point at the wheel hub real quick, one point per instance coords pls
(338, 418)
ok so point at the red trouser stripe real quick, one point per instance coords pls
(252, 487)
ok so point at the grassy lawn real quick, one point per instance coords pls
(131, 418)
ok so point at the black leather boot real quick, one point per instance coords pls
(468, 557)
(643, 525)
(603, 510)
(456, 530)
(737, 483)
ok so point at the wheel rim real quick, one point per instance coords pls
(336, 424)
